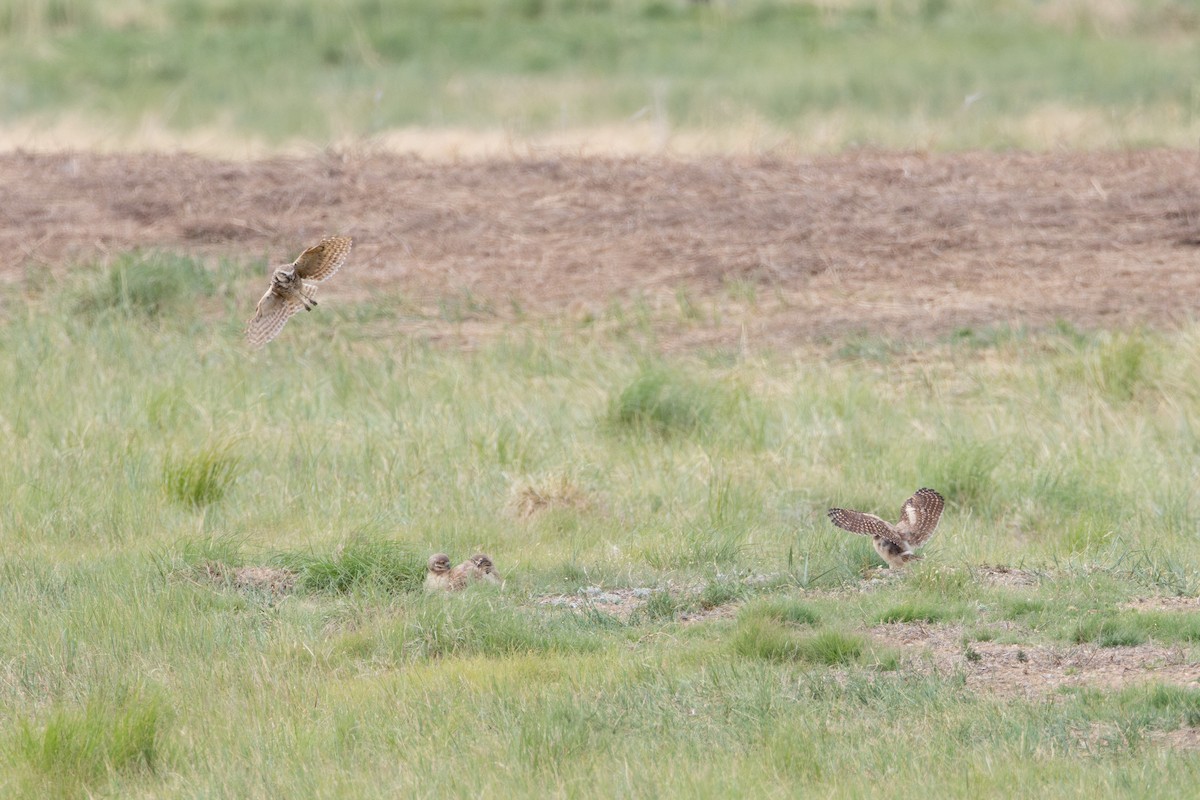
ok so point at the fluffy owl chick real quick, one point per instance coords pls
(293, 287)
(482, 569)
(895, 543)
(440, 577)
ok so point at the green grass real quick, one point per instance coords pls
(752, 666)
(1123, 629)
(201, 478)
(363, 562)
(72, 749)
(149, 284)
(760, 73)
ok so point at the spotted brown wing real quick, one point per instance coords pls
(919, 516)
(272, 312)
(324, 259)
(865, 524)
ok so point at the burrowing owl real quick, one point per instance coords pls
(482, 569)
(293, 286)
(441, 577)
(918, 518)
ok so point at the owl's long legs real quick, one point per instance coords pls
(305, 298)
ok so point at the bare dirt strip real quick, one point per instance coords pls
(881, 243)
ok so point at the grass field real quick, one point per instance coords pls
(213, 559)
(151, 461)
(758, 75)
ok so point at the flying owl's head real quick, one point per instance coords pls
(439, 563)
(285, 277)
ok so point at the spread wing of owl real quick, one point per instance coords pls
(272, 312)
(919, 516)
(322, 260)
(865, 524)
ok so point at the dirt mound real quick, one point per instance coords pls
(263, 579)
(897, 244)
(1034, 670)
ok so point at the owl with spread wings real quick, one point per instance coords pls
(895, 543)
(293, 287)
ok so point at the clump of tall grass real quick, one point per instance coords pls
(1125, 629)
(759, 637)
(1161, 570)
(914, 611)
(360, 563)
(204, 477)
(660, 606)
(1122, 366)
(780, 609)
(962, 471)
(146, 284)
(73, 749)
(665, 402)
(721, 592)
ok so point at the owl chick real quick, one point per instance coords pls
(482, 569)
(440, 577)
(293, 287)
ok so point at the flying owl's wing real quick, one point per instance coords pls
(866, 524)
(919, 516)
(322, 260)
(269, 317)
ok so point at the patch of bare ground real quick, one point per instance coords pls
(1000, 575)
(1164, 604)
(875, 578)
(1179, 739)
(619, 603)
(263, 579)
(1034, 670)
(898, 244)
(623, 604)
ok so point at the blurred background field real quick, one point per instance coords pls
(470, 77)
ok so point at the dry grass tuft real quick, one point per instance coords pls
(530, 497)
(262, 579)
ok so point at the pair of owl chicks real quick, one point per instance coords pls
(441, 577)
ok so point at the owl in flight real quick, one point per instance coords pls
(918, 518)
(293, 286)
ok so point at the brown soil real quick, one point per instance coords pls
(774, 251)
(1035, 670)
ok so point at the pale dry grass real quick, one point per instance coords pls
(1050, 126)
(531, 496)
